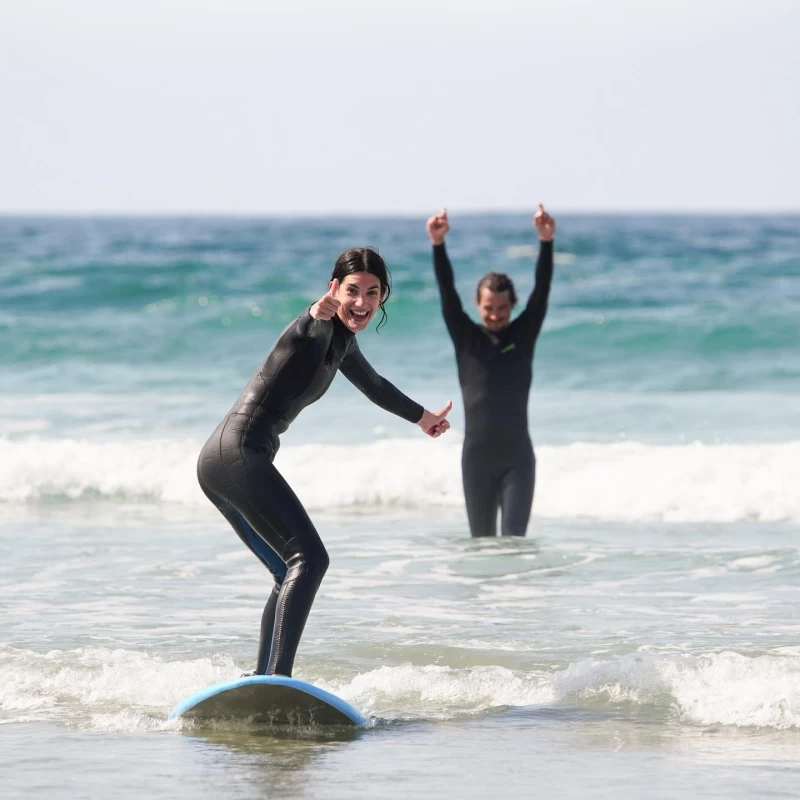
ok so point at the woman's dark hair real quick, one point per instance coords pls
(497, 282)
(365, 259)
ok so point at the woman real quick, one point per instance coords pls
(235, 467)
(495, 369)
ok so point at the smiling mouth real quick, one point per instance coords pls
(360, 316)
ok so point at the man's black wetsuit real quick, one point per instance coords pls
(495, 369)
(235, 470)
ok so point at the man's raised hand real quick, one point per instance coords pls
(545, 225)
(438, 226)
(327, 306)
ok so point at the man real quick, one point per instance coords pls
(495, 369)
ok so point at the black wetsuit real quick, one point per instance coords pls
(495, 370)
(235, 470)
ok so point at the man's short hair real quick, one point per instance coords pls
(497, 282)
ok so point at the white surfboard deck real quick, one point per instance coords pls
(271, 699)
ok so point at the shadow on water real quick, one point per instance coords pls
(257, 737)
(274, 761)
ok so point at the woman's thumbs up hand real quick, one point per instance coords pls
(328, 305)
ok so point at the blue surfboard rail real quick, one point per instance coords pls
(342, 706)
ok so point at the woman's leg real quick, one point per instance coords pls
(268, 557)
(271, 521)
(275, 565)
(279, 518)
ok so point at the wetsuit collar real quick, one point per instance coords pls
(342, 326)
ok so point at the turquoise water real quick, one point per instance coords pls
(150, 309)
(645, 633)
(148, 300)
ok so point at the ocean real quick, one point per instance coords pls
(644, 638)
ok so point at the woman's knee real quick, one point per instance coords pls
(318, 561)
(211, 476)
(311, 562)
(324, 562)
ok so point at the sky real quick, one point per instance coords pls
(317, 107)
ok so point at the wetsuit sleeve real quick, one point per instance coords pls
(455, 318)
(537, 303)
(309, 328)
(358, 371)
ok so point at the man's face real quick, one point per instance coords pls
(495, 309)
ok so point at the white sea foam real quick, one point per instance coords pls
(435, 692)
(111, 690)
(100, 688)
(616, 482)
(723, 688)
(70, 469)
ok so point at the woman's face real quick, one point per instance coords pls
(360, 297)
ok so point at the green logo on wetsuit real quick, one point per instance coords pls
(508, 348)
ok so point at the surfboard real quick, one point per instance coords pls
(272, 699)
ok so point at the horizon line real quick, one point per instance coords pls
(383, 214)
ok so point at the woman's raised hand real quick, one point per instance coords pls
(435, 424)
(327, 306)
(438, 226)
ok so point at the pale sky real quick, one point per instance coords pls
(248, 107)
